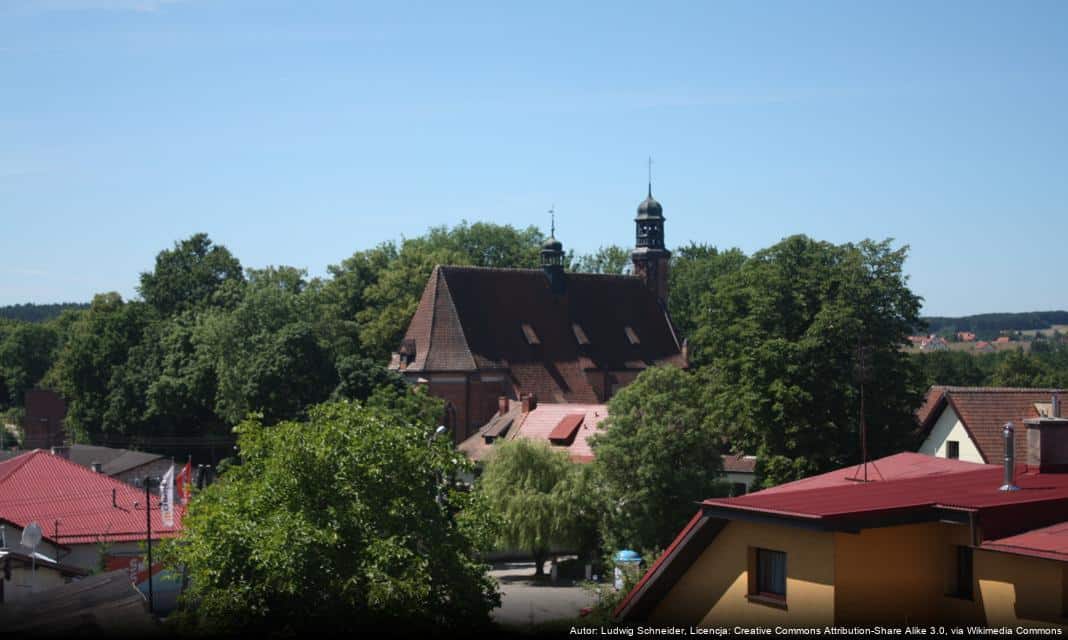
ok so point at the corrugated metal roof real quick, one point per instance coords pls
(966, 490)
(72, 504)
(1048, 542)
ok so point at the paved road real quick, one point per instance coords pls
(524, 602)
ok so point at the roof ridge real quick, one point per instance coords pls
(531, 270)
(1003, 389)
(27, 457)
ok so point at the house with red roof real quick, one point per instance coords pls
(565, 337)
(965, 422)
(87, 518)
(568, 427)
(909, 539)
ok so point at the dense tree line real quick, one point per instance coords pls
(31, 312)
(990, 325)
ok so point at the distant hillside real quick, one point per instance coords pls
(30, 312)
(993, 323)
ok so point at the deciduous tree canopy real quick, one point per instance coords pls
(344, 521)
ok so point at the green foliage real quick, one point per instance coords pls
(341, 522)
(267, 355)
(782, 341)
(188, 275)
(612, 259)
(659, 453)
(26, 353)
(989, 325)
(695, 271)
(540, 497)
(30, 312)
(89, 369)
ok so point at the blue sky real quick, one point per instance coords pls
(299, 132)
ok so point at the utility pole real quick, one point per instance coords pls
(148, 540)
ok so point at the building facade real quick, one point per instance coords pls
(561, 337)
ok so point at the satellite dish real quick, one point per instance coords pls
(31, 535)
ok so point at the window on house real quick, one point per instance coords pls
(528, 333)
(961, 576)
(580, 335)
(631, 335)
(952, 449)
(767, 576)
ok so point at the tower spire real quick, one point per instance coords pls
(650, 176)
(552, 221)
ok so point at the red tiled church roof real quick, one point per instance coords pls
(38, 486)
(471, 318)
(984, 410)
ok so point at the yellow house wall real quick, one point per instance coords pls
(713, 591)
(1020, 590)
(899, 576)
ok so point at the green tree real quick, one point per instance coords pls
(1021, 370)
(342, 522)
(540, 497)
(950, 368)
(266, 353)
(783, 340)
(26, 353)
(96, 348)
(611, 259)
(658, 454)
(695, 270)
(188, 275)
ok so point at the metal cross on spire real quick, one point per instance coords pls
(552, 221)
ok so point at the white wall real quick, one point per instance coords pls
(949, 427)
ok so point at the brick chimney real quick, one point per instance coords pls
(529, 402)
(502, 404)
(1047, 441)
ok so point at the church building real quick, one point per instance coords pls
(546, 335)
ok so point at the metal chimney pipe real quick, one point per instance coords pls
(1010, 458)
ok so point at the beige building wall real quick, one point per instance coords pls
(949, 427)
(1021, 590)
(900, 576)
(892, 575)
(714, 592)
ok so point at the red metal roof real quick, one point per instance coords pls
(564, 431)
(1032, 521)
(72, 504)
(965, 489)
(659, 563)
(1048, 542)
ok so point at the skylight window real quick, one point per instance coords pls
(631, 335)
(528, 333)
(580, 335)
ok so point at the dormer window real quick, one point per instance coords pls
(528, 333)
(631, 335)
(580, 335)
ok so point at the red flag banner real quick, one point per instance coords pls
(185, 482)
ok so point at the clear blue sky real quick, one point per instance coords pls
(299, 132)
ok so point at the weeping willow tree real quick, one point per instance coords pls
(540, 498)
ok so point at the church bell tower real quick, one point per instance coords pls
(652, 261)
